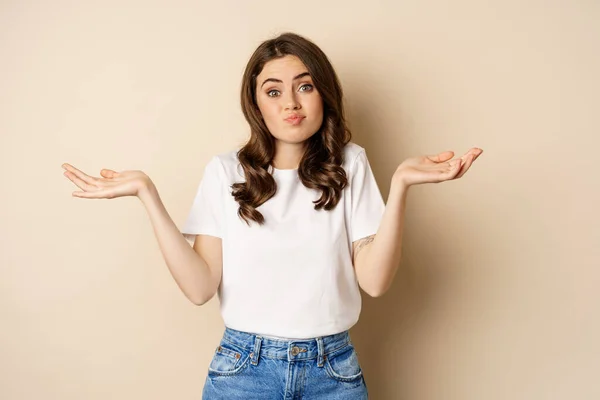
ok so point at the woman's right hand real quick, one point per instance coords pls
(111, 185)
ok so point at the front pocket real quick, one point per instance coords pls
(344, 365)
(227, 360)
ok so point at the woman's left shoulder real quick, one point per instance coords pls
(351, 152)
(353, 148)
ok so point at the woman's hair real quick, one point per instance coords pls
(321, 165)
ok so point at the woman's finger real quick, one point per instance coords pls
(474, 152)
(441, 157)
(98, 194)
(467, 164)
(109, 173)
(79, 174)
(77, 181)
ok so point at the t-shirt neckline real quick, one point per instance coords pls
(285, 173)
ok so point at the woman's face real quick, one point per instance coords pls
(289, 103)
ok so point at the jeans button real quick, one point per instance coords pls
(295, 350)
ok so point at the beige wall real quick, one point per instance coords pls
(497, 293)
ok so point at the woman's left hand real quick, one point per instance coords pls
(434, 168)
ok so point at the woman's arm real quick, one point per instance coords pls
(188, 268)
(377, 257)
(191, 271)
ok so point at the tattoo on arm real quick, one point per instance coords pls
(362, 243)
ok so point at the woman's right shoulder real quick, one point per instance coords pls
(227, 164)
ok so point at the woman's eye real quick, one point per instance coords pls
(307, 87)
(272, 93)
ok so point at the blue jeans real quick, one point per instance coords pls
(247, 366)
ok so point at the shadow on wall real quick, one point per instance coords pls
(392, 330)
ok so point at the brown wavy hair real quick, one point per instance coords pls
(321, 165)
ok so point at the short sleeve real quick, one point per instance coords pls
(206, 214)
(367, 205)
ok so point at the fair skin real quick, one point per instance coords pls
(284, 88)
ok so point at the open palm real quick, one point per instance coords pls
(112, 184)
(435, 168)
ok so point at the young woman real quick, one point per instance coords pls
(285, 230)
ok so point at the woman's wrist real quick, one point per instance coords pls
(148, 192)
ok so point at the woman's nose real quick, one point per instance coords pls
(292, 102)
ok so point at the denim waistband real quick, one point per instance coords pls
(297, 349)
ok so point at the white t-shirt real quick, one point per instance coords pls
(293, 276)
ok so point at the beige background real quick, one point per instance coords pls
(497, 294)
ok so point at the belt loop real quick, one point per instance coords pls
(256, 352)
(321, 355)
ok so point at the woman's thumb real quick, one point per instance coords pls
(108, 173)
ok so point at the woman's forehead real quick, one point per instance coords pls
(284, 68)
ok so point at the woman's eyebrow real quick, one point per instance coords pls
(302, 75)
